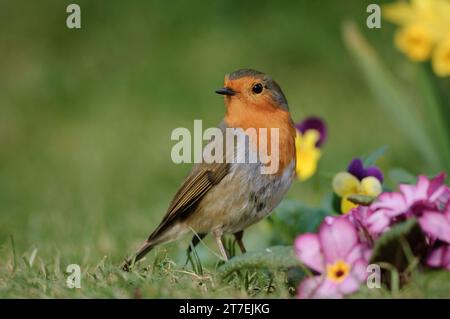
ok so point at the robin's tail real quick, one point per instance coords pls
(144, 250)
(158, 237)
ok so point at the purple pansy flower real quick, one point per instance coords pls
(314, 123)
(356, 168)
(337, 255)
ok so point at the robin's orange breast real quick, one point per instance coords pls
(245, 116)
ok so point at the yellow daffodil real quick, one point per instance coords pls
(441, 58)
(433, 15)
(415, 41)
(424, 28)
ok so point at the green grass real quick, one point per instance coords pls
(34, 277)
(86, 117)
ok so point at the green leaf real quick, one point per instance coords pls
(374, 156)
(292, 218)
(336, 203)
(276, 257)
(399, 245)
(401, 176)
(364, 200)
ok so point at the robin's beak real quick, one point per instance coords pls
(225, 91)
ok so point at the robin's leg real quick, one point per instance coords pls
(217, 233)
(238, 237)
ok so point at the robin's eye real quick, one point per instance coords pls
(257, 88)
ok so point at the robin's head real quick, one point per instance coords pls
(253, 89)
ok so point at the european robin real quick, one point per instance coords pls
(227, 197)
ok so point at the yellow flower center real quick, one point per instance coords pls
(446, 57)
(338, 271)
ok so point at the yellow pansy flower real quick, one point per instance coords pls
(357, 181)
(311, 134)
(308, 154)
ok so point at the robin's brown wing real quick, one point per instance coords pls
(196, 185)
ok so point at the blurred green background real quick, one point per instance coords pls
(86, 115)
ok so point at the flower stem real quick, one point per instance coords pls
(435, 109)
